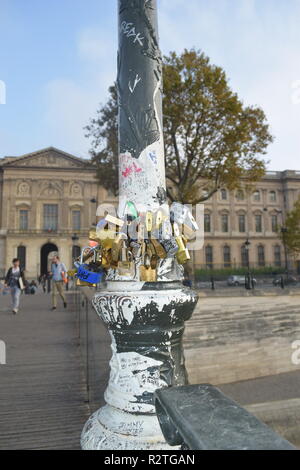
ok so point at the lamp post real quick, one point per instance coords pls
(284, 232)
(248, 279)
(94, 201)
(145, 318)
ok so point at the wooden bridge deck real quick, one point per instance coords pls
(42, 386)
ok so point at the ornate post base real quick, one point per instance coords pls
(146, 323)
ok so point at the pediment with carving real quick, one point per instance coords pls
(49, 158)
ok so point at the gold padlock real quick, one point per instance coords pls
(117, 245)
(125, 265)
(107, 238)
(159, 249)
(159, 219)
(182, 254)
(149, 223)
(84, 284)
(148, 275)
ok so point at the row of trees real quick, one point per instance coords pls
(212, 139)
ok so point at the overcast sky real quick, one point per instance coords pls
(58, 57)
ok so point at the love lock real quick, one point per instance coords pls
(91, 277)
(84, 272)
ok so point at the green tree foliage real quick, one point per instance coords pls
(211, 139)
(290, 233)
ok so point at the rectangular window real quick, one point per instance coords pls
(277, 256)
(256, 196)
(258, 223)
(274, 223)
(244, 256)
(207, 224)
(50, 217)
(209, 257)
(227, 257)
(224, 221)
(261, 256)
(242, 223)
(23, 220)
(76, 220)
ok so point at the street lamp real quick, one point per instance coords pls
(284, 231)
(248, 278)
(94, 201)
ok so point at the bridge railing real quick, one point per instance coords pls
(201, 417)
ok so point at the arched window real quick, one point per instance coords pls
(209, 256)
(223, 194)
(227, 256)
(21, 254)
(272, 196)
(261, 255)
(76, 251)
(277, 256)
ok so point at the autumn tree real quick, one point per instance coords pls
(212, 139)
(290, 232)
(103, 130)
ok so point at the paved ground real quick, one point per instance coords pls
(264, 389)
(42, 387)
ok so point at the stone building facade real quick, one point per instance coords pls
(232, 217)
(48, 202)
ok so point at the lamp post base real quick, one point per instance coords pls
(113, 429)
(146, 324)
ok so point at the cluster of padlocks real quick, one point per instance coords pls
(136, 243)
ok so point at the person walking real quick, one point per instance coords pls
(15, 280)
(59, 273)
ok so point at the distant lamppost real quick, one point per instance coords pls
(284, 231)
(94, 201)
(248, 278)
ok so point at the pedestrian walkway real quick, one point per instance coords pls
(42, 386)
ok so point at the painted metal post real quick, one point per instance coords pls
(145, 319)
(142, 163)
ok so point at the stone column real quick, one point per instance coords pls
(145, 319)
